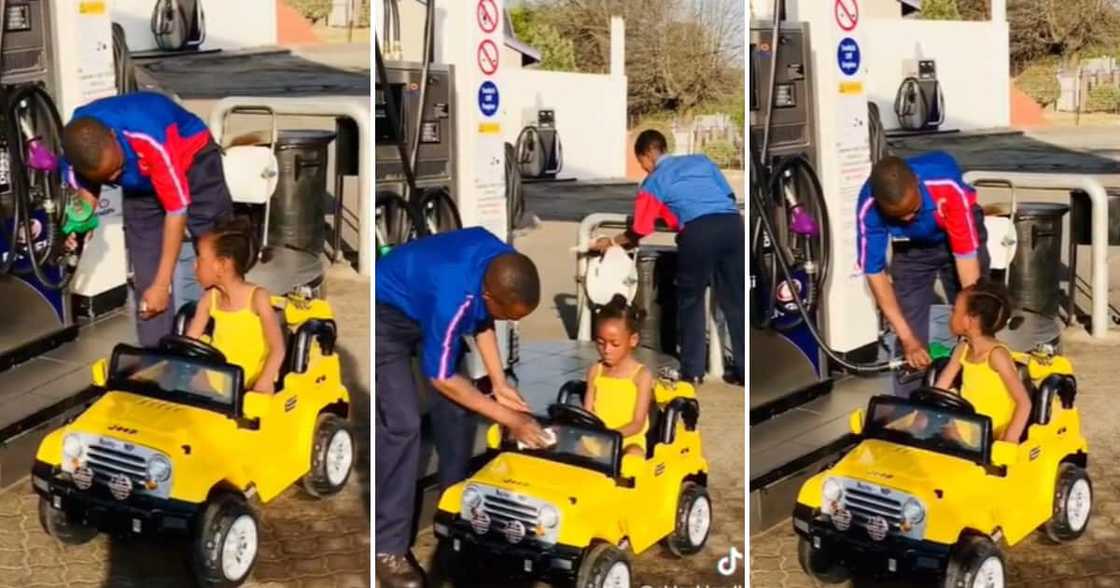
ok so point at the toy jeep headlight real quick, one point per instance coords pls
(159, 468)
(548, 517)
(831, 493)
(71, 447)
(472, 499)
(912, 513)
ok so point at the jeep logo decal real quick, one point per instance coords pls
(118, 429)
(290, 404)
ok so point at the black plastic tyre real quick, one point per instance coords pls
(975, 561)
(694, 521)
(226, 542)
(57, 524)
(820, 564)
(604, 566)
(332, 457)
(1073, 504)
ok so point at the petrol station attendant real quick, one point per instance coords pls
(924, 211)
(170, 170)
(430, 293)
(691, 196)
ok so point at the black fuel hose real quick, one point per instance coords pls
(50, 186)
(515, 196)
(787, 273)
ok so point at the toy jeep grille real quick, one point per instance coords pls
(506, 508)
(110, 459)
(868, 502)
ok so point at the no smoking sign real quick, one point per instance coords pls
(487, 13)
(847, 14)
(488, 57)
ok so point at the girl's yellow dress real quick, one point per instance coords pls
(239, 334)
(984, 388)
(615, 400)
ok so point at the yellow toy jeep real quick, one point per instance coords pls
(573, 511)
(929, 492)
(176, 445)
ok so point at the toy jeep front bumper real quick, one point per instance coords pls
(859, 553)
(138, 514)
(494, 551)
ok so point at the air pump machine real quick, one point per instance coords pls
(50, 50)
(540, 154)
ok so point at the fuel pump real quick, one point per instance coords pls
(540, 154)
(45, 72)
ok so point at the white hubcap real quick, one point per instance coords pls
(1078, 503)
(699, 520)
(340, 456)
(618, 576)
(239, 548)
(990, 574)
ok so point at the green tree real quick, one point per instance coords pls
(1103, 99)
(558, 53)
(940, 10)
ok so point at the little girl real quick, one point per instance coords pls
(246, 329)
(990, 380)
(620, 388)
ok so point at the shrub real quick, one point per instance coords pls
(1103, 99)
(1040, 82)
(723, 153)
(312, 10)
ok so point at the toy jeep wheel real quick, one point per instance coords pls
(58, 524)
(694, 521)
(1073, 501)
(332, 457)
(976, 562)
(225, 547)
(604, 566)
(820, 565)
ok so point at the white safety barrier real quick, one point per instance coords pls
(1099, 226)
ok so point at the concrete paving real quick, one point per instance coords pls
(1092, 560)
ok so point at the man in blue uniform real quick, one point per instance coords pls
(430, 293)
(170, 170)
(691, 196)
(924, 211)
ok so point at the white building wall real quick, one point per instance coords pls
(972, 66)
(229, 24)
(590, 117)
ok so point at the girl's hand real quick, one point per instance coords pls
(264, 385)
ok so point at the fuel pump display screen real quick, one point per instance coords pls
(19, 18)
(386, 133)
(429, 132)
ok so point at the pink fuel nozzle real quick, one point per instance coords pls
(802, 223)
(39, 158)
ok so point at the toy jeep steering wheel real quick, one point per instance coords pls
(190, 347)
(575, 415)
(942, 398)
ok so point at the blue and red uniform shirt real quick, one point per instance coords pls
(946, 214)
(437, 282)
(160, 140)
(679, 190)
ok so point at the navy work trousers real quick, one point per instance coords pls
(143, 234)
(914, 269)
(710, 251)
(397, 431)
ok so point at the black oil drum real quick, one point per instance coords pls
(298, 215)
(1036, 269)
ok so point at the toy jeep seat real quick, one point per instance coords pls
(662, 419)
(297, 343)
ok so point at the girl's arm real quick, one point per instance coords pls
(641, 407)
(272, 334)
(1001, 361)
(201, 316)
(589, 394)
(947, 375)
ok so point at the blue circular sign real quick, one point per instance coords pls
(847, 56)
(488, 98)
